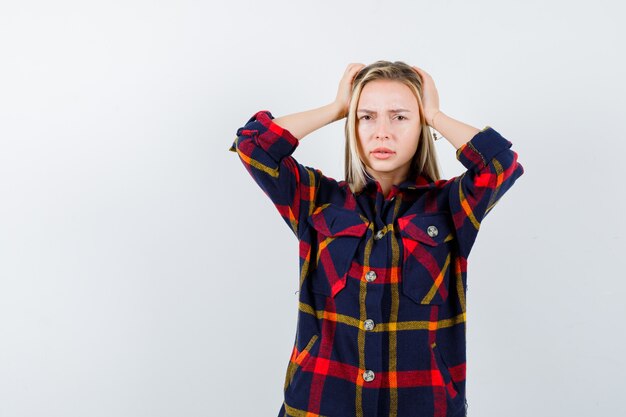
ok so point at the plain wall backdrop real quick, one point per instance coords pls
(143, 272)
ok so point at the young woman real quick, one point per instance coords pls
(383, 254)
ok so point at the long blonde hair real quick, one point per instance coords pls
(424, 161)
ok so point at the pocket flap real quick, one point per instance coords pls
(431, 229)
(332, 220)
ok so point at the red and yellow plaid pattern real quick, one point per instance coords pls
(381, 320)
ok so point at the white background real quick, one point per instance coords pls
(143, 273)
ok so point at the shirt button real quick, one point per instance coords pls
(432, 231)
(368, 324)
(368, 375)
(370, 276)
(379, 234)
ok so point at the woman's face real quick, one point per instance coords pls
(388, 128)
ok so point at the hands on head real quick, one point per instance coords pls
(430, 96)
(344, 92)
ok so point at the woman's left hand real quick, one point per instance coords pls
(430, 96)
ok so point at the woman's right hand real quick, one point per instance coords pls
(344, 92)
(302, 123)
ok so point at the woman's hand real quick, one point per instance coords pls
(430, 96)
(302, 123)
(344, 92)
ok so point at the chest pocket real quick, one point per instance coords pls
(427, 242)
(338, 234)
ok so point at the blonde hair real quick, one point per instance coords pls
(424, 161)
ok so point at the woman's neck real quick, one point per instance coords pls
(388, 180)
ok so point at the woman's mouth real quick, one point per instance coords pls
(382, 153)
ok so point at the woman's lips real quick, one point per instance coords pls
(382, 153)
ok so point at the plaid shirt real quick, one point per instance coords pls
(381, 320)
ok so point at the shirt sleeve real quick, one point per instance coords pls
(492, 169)
(265, 149)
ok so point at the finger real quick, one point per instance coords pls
(356, 69)
(422, 72)
(419, 72)
(351, 72)
(349, 68)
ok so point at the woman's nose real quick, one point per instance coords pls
(382, 129)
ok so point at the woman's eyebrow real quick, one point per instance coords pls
(389, 111)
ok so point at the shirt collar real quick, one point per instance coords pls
(418, 182)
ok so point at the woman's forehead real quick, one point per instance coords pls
(386, 95)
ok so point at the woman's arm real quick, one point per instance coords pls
(302, 123)
(456, 132)
(492, 167)
(265, 149)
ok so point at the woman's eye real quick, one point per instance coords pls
(365, 117)
(400, 117)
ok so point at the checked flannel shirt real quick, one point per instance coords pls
(381, 320)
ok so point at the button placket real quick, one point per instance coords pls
(368, 325)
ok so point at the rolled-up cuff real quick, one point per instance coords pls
(479, 150)
(273, 139)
